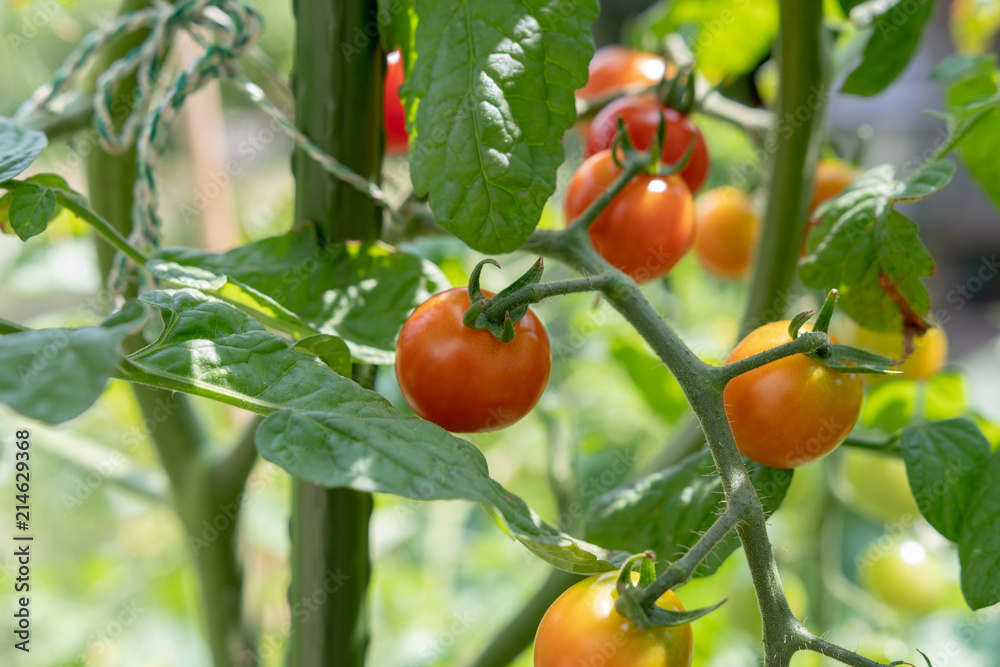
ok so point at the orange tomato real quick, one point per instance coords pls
(726, 226)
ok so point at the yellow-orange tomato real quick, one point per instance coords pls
(465, 380)
(929, 355)
(646, 229)
(615, 69)
(726, 226)
(792, 411)
(832, 177)
(582, 626)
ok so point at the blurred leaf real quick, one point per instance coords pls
(892, 404)
(19, 147)
(329, 430)
(653, 380)
(973, 117)
(872, 253)
(669, 510)
(942, 460)
(361, 293)
(979, 547)
(895, 38)
(54, 375)
(487, 144)
(729, 37)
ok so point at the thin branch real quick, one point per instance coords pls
(633, 167)
(811, 642)
(535, 292)
(806, 342)
(231, 473)
(681, 570)
(105, 228)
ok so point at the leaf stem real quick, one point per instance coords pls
(535, 292)
(805, 343)
(681, 570)
(633, 166)
(105, 228)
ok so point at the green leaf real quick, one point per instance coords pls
(942, 460)
(32, 207)
(729, 38)
(652, 379)
(327, 429)
(973, 116)
(332, 350)
(960, 65)
(668, 510)
(979, 547)
(361, 293)
(54, 375)
(492, 84)
(19, 147)
(895, 38)
(871, 252)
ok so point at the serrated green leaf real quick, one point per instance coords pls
(32, 207)
(729, 47)
(327, 429)
(486, 143)
(19, 147)
(979, 546)
(54, 375)
(896, 34)
(668, 510)
(942, 460)
(871, 252)
(361, 293)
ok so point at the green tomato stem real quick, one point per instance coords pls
(632, 167)
(106, 229)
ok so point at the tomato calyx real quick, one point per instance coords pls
(637, 600)
(483, 315)
(678, 91)
(841, 358)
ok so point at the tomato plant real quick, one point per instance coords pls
(642, 115)
(646, 230)
(465, 380)
(726, 228)
(792, 411)
(181, 304)
(582, 623)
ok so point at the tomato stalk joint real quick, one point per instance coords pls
(490, 313)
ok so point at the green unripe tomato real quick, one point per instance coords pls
(905, 576)
(877, 486)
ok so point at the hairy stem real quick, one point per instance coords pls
(681, 570)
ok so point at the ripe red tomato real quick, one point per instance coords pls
(641, 114)
(393, 115)
(582, 626)
(465, 380)
(726, 229)
(646, 229)
(791, 411)
(616, 68)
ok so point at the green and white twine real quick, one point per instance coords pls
(227, 30)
